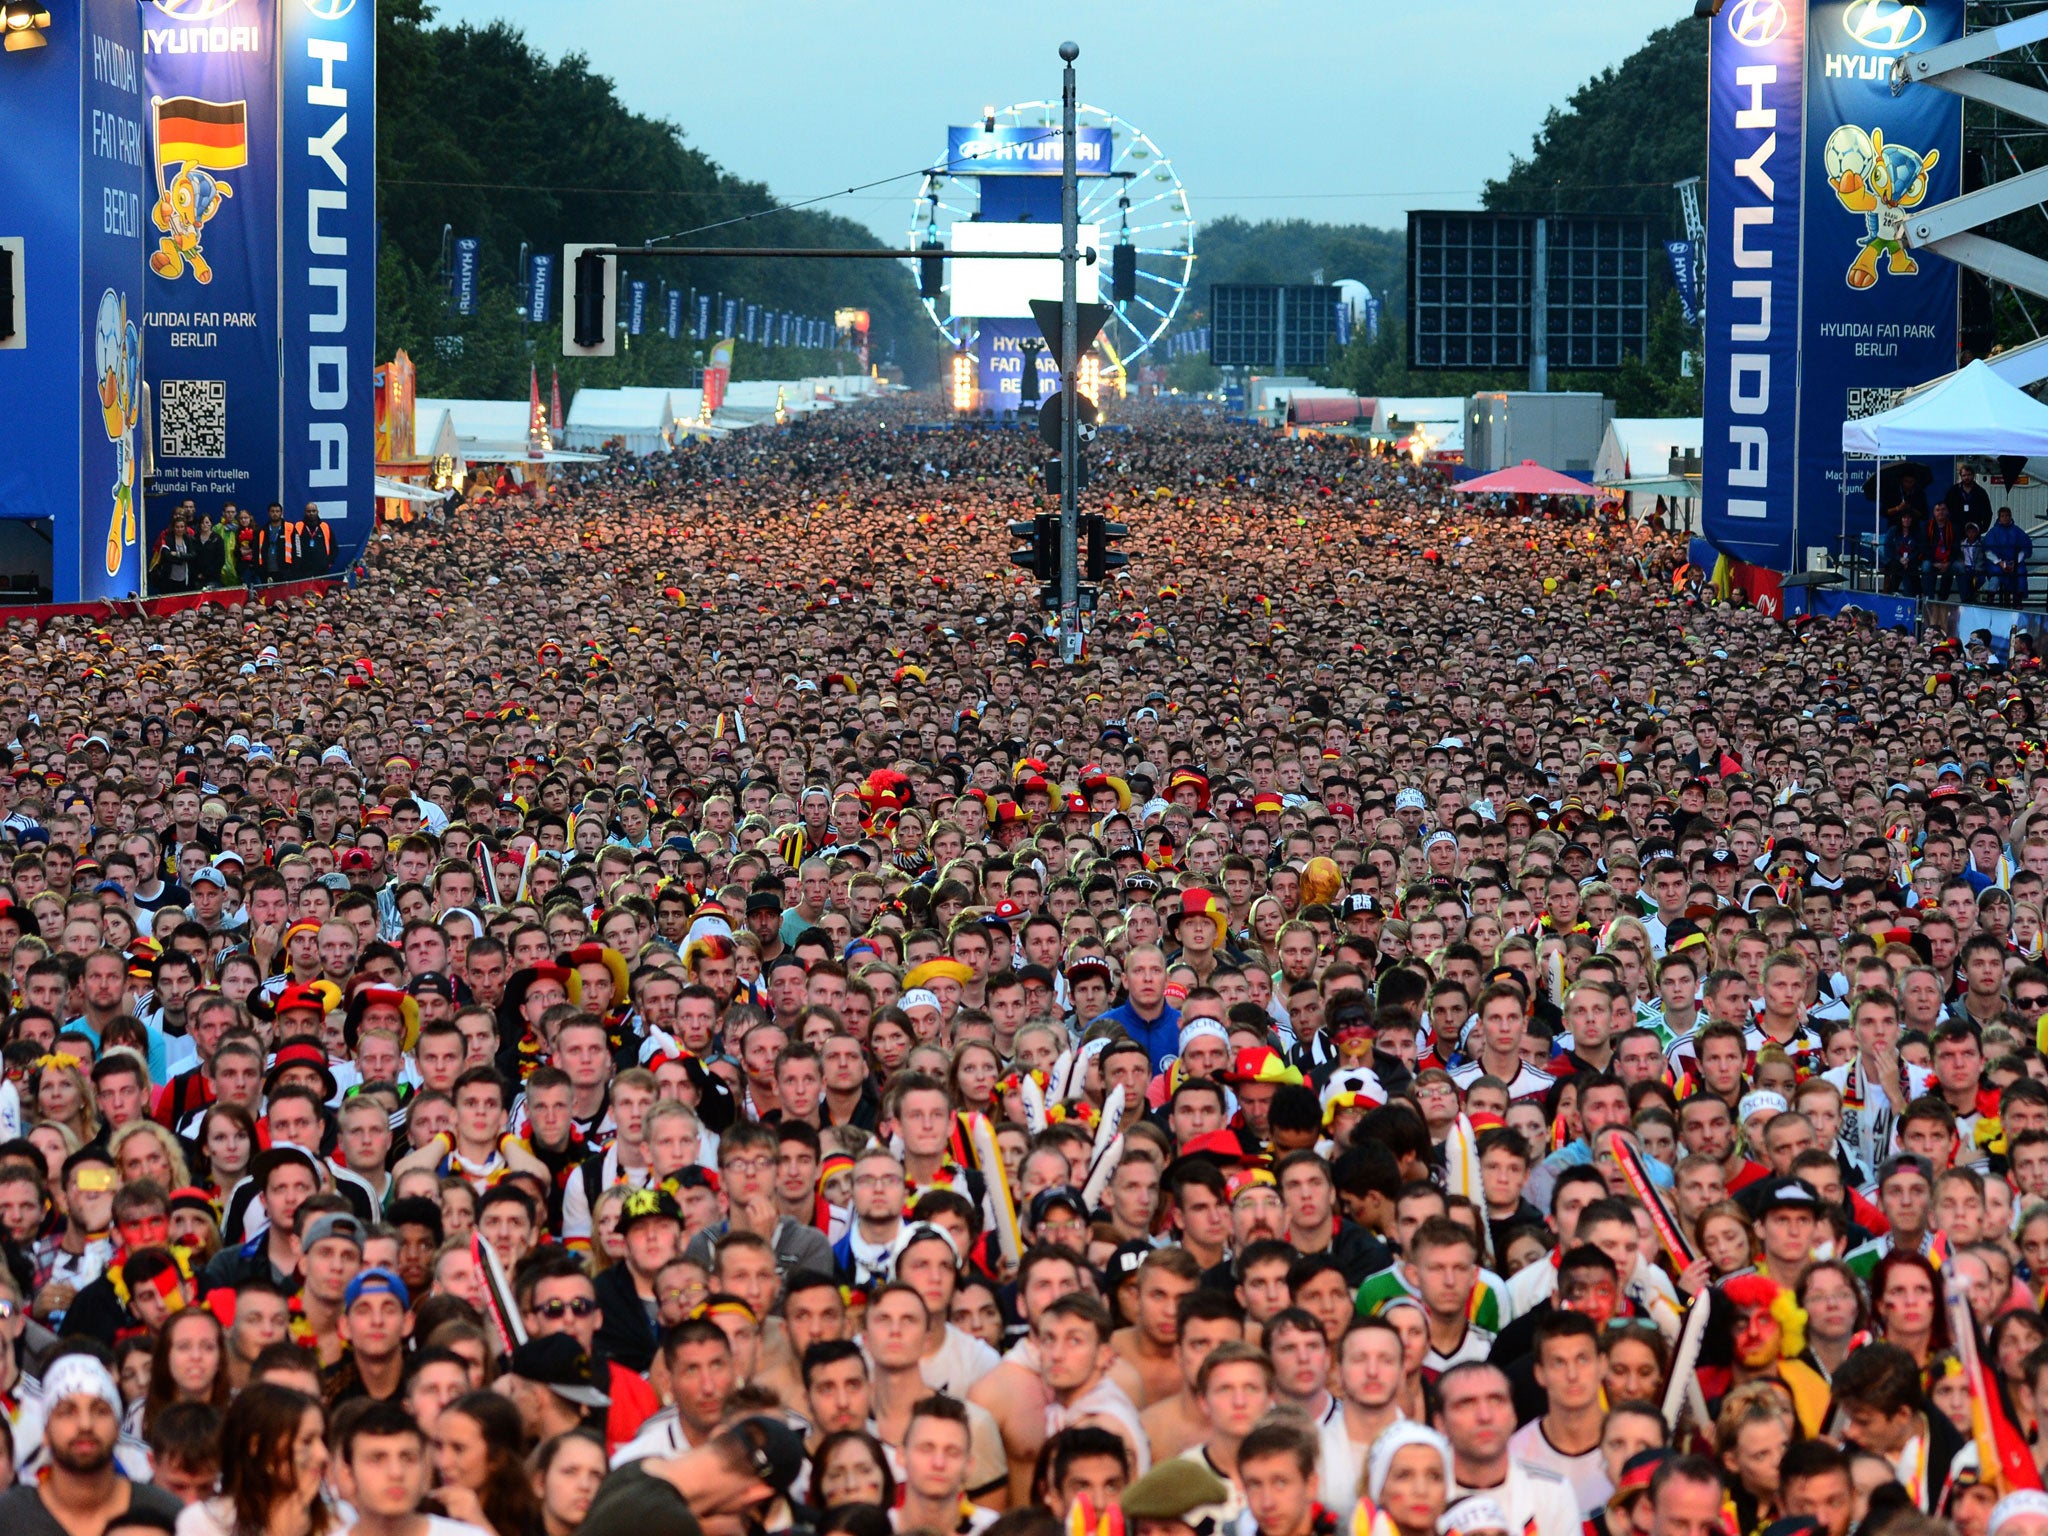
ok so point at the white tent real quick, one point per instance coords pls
(642, 419)
(484, 429)
(1970, 411)
(1636, 446)
(1441, 417)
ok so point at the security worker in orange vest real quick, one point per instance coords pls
(315, 544)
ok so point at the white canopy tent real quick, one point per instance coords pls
(484, 429)
(642, 419)
(1441, 419)
(1972, 411)
(1635, 459)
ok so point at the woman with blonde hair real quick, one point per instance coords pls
(142, 1149)
(62, 1095)
(607, 1247)
(1755, 1426)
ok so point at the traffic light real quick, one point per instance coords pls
(930, 270)
(1123, 272)
(1101, 534)
(1042, 556)
(590, 309)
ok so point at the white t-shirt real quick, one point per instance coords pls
(1537, 1502)
(1586, 1472)
(960, 1362)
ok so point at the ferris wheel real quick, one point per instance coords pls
(1139, 198)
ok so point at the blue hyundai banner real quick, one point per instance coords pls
(732, 315)
(328, 53)
(1031, 151)
(767, 327)
(209, 326)
(782, 339)
(675, 313)
(467, 254)
(1343, 323)
(1876, 318)
(1756, 55)
(73, 215)
(703, 315)
(1685, 277)
(540, 288)
(1000, 362)
(1372, 317)
(636, 306)
(753, 314)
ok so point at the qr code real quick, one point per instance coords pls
(192, 419)
(1870, 402)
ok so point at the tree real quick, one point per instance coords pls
(481, 136)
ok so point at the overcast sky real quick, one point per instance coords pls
(1345, 112)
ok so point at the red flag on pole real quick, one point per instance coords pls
(2004, 1459)
(537, 443)
(555, 404)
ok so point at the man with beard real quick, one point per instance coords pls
(81, 1489)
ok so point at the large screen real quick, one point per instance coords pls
(1003, 290)
(1271, 325)
(1472, 287)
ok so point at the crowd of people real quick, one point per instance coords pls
(671, 1009)
(197, 550)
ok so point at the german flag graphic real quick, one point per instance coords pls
(213, 134)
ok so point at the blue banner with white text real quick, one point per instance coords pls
(209, 325)
(467, 255)
(328, 71)
(636, 306)
(1755, 116)
(1875, 317)
(1685, 277)
(541, 288)
(1027, 151)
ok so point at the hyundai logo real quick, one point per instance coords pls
(1884, 24)
(330, 10)
(1756, 23)
(193, 10)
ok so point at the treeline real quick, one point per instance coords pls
(481, 136)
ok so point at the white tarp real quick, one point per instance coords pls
(484, 429)
(642, 419)
(399, 490)
(1971, 411)
(1635, 447)
(1441, 417)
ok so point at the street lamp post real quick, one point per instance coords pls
(1070, 365)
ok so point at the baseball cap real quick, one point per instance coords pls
(559, 1363)
(1789, 1195)
(375, 1279)
(333, 1224)
(1059, 1197)
(773, 1450)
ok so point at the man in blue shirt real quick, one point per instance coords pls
(1144, 1014)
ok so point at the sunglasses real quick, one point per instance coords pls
(554, 1311)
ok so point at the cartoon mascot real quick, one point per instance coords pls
(1880, 181)
(192, 197)
(118, 376)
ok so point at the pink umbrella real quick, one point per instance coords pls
(1527, 478)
